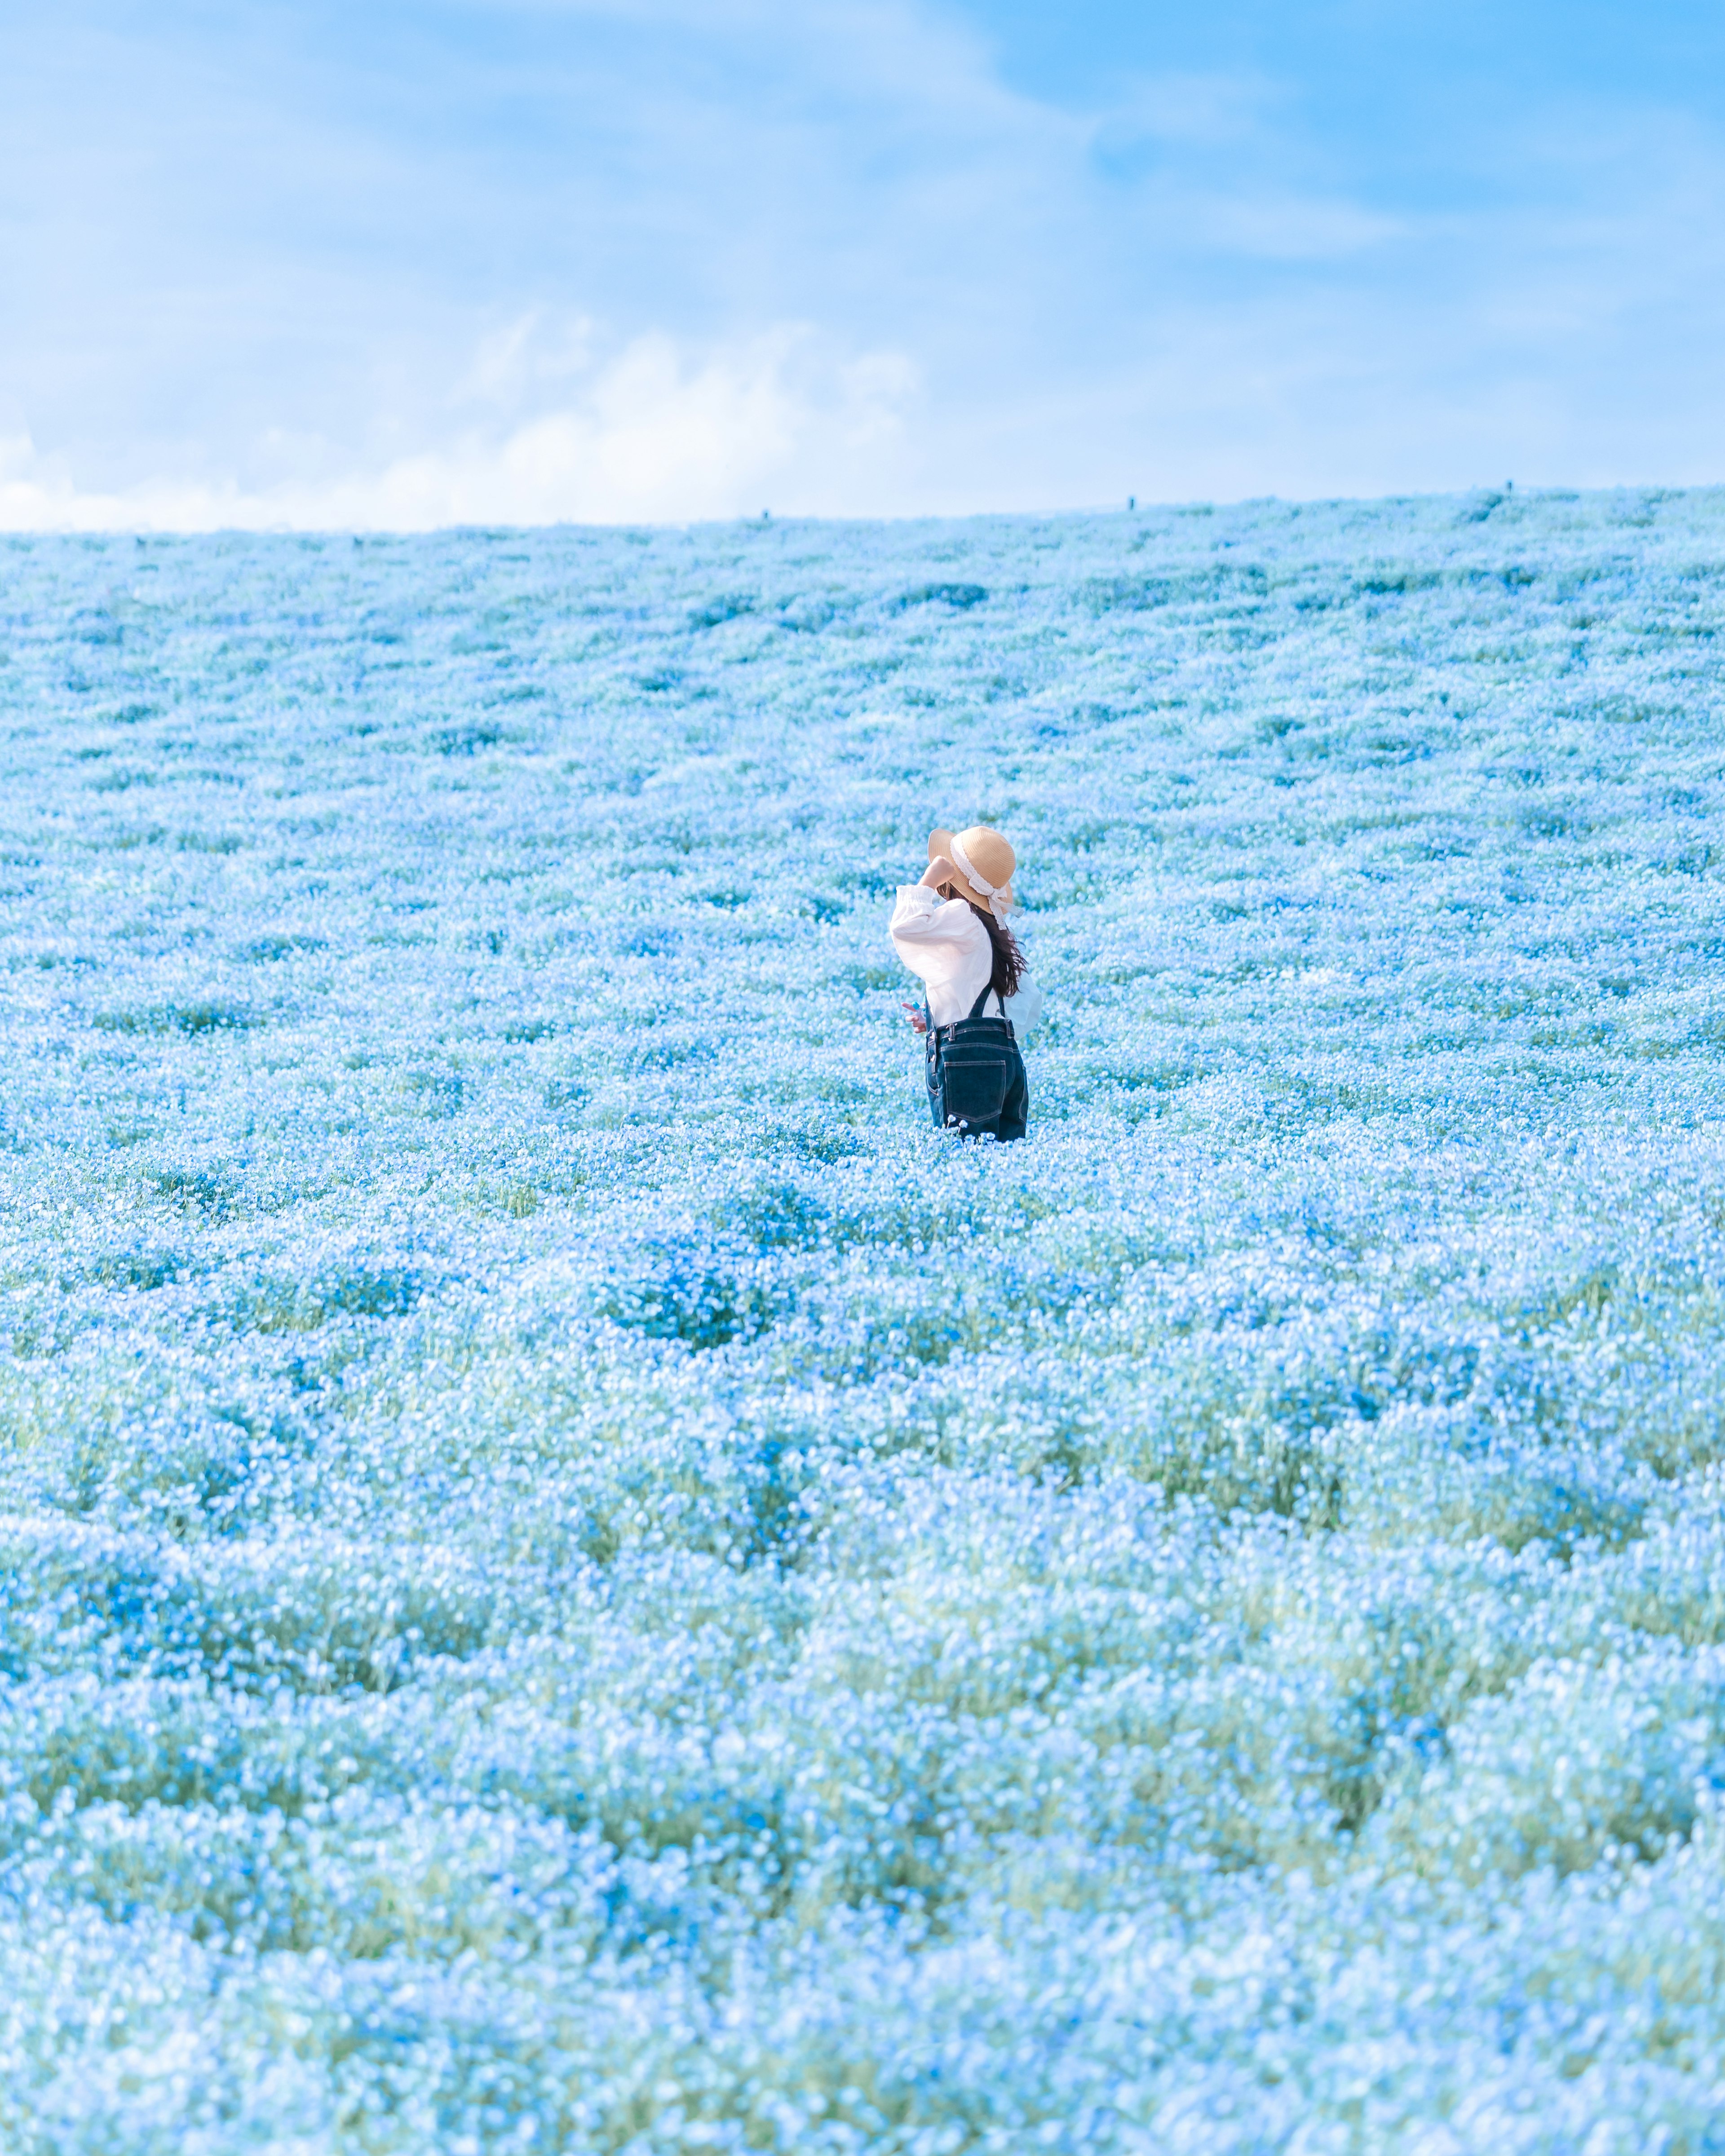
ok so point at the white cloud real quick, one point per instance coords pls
(1209, 111)
(1286, 227)
(566, 268)
(656, 433)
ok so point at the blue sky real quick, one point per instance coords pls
(392, 264)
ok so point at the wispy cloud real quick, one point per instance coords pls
(531, 258)
(658, 432)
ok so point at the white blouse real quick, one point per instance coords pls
(942, 941)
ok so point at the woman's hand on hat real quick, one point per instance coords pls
(940, 871)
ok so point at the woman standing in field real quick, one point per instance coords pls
(950, 929)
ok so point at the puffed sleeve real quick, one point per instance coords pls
(934, 936)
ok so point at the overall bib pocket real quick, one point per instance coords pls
(976, 1076)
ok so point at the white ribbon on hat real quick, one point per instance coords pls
(996, 897)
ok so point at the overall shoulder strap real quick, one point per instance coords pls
(975, 1008)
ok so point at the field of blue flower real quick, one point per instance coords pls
(574, 1578)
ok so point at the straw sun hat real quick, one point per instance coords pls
(984, 862)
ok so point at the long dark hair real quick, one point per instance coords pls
(1010, 967)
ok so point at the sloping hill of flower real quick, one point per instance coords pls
(574, 1578)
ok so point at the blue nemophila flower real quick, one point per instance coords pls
(572, 1576)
